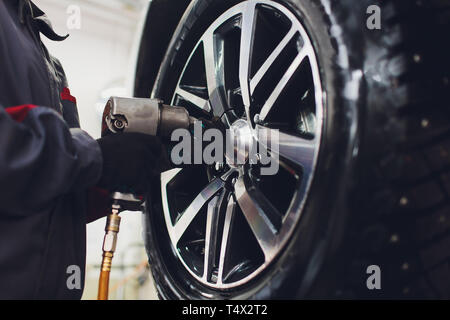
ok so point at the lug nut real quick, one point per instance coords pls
(257, 119)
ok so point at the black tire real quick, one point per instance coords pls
(161, 14)
(380, 194)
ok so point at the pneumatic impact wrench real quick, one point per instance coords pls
(147, 116)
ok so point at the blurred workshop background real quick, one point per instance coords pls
(99, 58)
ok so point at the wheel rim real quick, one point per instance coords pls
(230, 223)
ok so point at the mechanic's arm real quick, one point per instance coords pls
(41, 158)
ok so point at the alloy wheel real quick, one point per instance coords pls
(256, 68)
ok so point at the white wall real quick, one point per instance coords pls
(98, 54)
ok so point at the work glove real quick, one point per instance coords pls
(131, 161)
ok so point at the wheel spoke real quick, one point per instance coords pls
(245, 58)
(193, 209)
(297, 150)
(166, 177)
(259, 223)
(194, 99)
(271, 59)
(214, 65)
(226, 237)
(211, 235)
(210, 62)
(304, 52)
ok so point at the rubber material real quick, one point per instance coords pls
(162, 15)
(383, 166)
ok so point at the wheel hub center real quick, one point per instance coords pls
(239, 143)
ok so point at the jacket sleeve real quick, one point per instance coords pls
(42, 159)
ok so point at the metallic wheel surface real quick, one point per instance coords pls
(256, 68)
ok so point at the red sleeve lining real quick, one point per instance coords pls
(65, 95)
(19, 113)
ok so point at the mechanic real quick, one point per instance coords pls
(51, 172)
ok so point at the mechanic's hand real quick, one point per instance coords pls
(131, 161)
